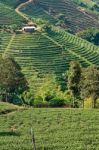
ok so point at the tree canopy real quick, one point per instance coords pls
(12, 79)
(74, 79)
(89, 83)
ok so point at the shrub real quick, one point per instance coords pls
(28, 97)
(56, 102)
(40, 103)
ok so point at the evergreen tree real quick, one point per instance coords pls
(90, 83)
(74, 79)
(12, 81)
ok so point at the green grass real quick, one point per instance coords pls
(7, 108)
(55, 129)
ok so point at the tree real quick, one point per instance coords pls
(89, 83)
(12, 81)
(91, 35)
(74, 80)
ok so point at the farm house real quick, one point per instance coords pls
(29, 28)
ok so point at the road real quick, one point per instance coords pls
(21, 6)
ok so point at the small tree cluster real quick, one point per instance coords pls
(83, 82)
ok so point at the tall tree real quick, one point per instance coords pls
(74, 80)
(90, 83)
(12, 81)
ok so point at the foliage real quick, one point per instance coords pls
(40, 103)
(47, 28)
(56, 102)
(28, 97)
(12, 81)
(88, 103)
(90, 83)
(48, 88)
(74, 79)
(91, 35)
(89, 4)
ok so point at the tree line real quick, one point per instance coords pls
(78, 84)
(83, 83)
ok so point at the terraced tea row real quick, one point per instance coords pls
(31, 50)
(38, 58)
(8, 16)
(80, 47)
(74, 18)
(12, 3)
(38, 14)
(72, 129)
(4, 41)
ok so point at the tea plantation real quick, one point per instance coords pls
(66, 14)
(37, 57)
(8, 16)
(54, 129)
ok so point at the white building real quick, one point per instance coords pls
(29, 28)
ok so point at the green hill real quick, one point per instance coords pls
(66, 14)
(41, 53)
(35, 56)
(12, 3)
(8, 16)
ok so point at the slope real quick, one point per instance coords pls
(66, 14)
(12, 3)
(35, 57)
(38, 58)
(8, 16)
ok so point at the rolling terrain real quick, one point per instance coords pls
(8, 16)
(42, 53)
(34, 56)
(31, 51)
(66, 14)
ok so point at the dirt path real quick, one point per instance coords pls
(8, 46)
(21, 6)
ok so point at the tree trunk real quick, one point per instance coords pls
(33, 139)
(73, 101)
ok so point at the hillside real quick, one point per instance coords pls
(66, 14)
(75, 129)
(92, 5)
(46, 52)
(8, 16)
(50, 73)
(12, 3)
(34, 56)
(30, 50)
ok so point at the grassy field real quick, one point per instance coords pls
(55, 129)
(7, 108)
